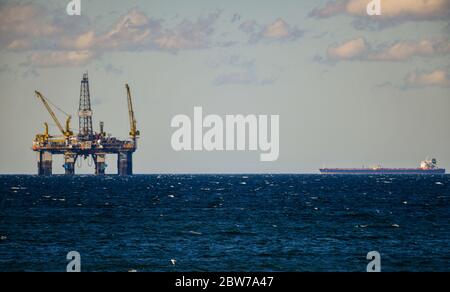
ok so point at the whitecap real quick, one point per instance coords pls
(439, 183)
(395, 225)
(18, 188)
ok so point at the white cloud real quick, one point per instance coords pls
(131, 31)
(411, 9)
(26, 20)
(405, 50)
(393, 11)
(437, 77)
(359, 49)
(279, 30)
(330, 9)
(54, 42)
(82, 42)
(19, 24)
(349, 50)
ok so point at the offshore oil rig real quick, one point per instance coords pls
(87, 143)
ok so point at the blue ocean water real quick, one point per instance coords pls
(225, 222)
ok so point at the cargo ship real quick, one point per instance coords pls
(427, 167)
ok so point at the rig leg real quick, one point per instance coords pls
(45, 162)
(125, 163)
(69, 163)
(100, 164)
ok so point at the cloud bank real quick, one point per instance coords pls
(438, 77)
(30, 27)
(55, 42)
(393, 11)
(279, 30)
(349, 50)
(399, 51)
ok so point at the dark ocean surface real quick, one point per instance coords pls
(225, 222)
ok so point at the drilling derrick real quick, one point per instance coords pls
(85, 111)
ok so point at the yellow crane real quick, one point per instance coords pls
(42, 138)
(66, 132)
(134, 132)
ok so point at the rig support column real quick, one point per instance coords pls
(69, 163)
(45, 162)
(100, 164)
(125, 163)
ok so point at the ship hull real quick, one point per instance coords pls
(382, 171)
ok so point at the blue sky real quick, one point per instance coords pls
(350, 89)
